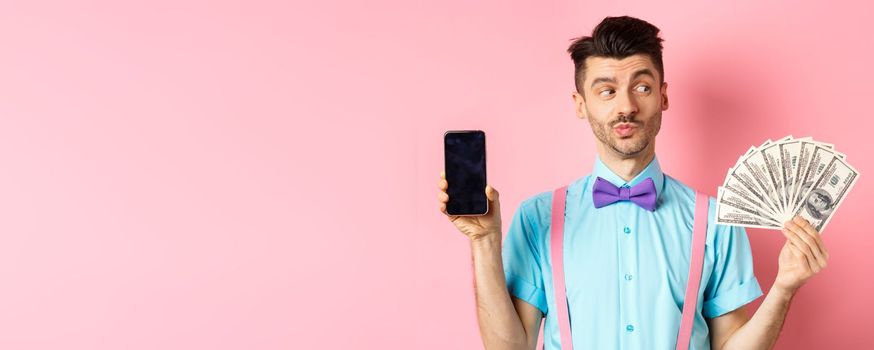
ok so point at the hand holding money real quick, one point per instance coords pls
(803, 255)
(779, 180)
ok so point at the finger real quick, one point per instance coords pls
(442, 197)
(795, 252)
(799, 231)
(443, 185)
(442, 174)
(803, 248)
(492, 195)
(812, 232)
(451, 217)
(799, 255)
(795, 240)
(811, 242)
(808, 228)
(802, 258)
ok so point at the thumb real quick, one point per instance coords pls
(491, 193)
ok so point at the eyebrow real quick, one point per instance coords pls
(602, 80)
(644, 71)
(638, 73)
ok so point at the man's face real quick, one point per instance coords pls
(623, 103)
(818, 201)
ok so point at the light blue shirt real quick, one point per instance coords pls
(625, 267)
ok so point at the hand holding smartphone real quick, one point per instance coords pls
(476, 210)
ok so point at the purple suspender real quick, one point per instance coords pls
(699, 233)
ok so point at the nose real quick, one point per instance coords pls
(626, 104)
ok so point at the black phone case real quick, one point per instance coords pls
(469, 194)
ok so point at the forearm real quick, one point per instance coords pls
(499, 323)
(761, 331)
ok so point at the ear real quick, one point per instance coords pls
(579, 105)
(664, 89)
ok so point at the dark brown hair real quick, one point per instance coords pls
(617, 37)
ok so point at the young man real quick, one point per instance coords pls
(626, 264)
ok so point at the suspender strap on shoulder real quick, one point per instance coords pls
(690, 304)
(557, 248)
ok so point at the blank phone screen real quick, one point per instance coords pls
(465, 155)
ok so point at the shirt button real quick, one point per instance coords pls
(629, 328)
(628, 277)
(627, 230)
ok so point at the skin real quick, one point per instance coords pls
(625, 92)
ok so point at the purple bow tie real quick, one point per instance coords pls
(643, 194)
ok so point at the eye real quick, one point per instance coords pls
(606, 92)
(642, 88)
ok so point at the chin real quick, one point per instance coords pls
(628, 148)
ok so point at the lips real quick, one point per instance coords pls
(624, 129)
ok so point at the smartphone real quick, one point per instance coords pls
(464, 153)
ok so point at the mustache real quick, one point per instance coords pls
(624, 119)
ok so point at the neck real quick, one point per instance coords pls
(627, 167)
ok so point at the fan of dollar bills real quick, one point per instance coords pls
(778, 180)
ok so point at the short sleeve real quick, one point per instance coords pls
(732, 283)
(521, 258)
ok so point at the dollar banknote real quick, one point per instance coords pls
(778, 180)
(827, 194)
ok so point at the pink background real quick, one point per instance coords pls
(262, 175)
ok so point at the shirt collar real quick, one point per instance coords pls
(652, 170)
